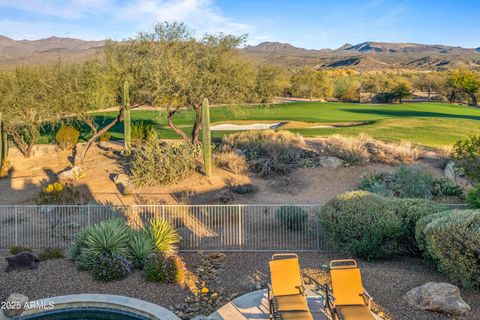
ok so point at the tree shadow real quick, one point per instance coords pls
(411, 113)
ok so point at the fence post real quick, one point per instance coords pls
(16, 225)
(240, 226)
(89, 209)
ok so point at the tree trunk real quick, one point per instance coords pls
(196, 124)
(98, 134)
(473, 97)
(1, 141)
(175, 128)
(24, 147)
(428, 95)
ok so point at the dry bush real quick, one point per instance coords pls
(269, 153)
(231, 161)
(362, 149)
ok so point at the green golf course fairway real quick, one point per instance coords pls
(428, 124)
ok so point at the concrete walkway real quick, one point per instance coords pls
(254, 305)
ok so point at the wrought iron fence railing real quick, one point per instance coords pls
(202, 227)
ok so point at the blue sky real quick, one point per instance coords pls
(305, 23)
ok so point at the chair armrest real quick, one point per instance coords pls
(368, 299)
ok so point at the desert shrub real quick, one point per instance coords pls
(108, 238)
(377, 182)
(110, 268)
(164, 235)
(67, 137)
(410, 211)
(473, 198)
(163, 163)
(292, 217)
(105, 137)
(166, 269)
(409, 182)
(141, 131)
(17, 249)
(231, 161)
(444, 187)
(466, 154)
(58, 193)
(453, 242)
(362, 224)
(362, 149)
(51, 253)
(140, 247)
(413, 182)
(420, 231)
(269, 153)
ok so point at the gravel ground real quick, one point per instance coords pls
(386, 281)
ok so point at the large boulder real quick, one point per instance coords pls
(22, 260)
(450, 171)
(74, 174)
(329, 162)
(124, 184)
(439, 297)
(16, 303)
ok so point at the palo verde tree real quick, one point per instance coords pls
(88, 88)
(311, 84)
(177, 72)
(466, 81)
(30, 101)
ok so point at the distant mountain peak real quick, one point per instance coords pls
(346, 46)
(273, 46)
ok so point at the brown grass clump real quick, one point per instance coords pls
(269, 153)
(362, 149)
(231, 161)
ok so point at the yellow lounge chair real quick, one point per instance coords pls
(347, 299)
(286, 293)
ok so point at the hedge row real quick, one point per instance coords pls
(371, 226)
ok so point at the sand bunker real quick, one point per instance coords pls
(253, 126)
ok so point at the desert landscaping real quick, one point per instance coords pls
(181, 175)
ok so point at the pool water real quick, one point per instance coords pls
(85, 314)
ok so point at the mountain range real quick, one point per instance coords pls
(364, 56)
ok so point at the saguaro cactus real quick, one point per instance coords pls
(3, 141)
(206, 137)
(127, 121)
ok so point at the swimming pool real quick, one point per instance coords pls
(95, 307)
(85, 314)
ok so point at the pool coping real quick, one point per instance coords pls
(128, 304)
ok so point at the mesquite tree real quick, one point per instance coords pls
(206, 137)
(177, 72)
(29, 101)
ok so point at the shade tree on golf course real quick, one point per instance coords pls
(28, 100)
(176, 71)
(466, 81)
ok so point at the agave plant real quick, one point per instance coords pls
(140, 247)
(109, 237)
(165, 235)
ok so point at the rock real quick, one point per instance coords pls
(243, 188)
(121, 178)
(123, 183)
(74, 174)
(225, 196)
(329, 162)
(437, 296)
(240, 152)
(17, 302)
(22, 259)
(450, 171)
